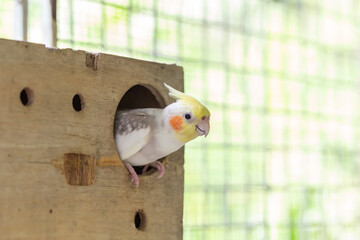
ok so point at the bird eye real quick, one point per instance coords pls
(187, 116)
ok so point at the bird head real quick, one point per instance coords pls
(187, 117)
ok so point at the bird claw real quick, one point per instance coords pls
(145, 168)
(158, 165)
(134, 177)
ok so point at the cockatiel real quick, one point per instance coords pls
(145, 135)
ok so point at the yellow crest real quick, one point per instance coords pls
(199, 109)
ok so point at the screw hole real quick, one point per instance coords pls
(26, 96)
(77, 102)
(139, 220)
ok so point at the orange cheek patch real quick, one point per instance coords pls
(176, 122)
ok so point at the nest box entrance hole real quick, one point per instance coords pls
(141, 96)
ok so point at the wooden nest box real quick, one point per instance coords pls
(60, 174)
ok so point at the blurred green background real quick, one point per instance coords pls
(281, 78)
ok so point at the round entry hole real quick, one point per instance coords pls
(139, 96)
(26, 96)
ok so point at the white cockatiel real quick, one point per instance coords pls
(145, 135)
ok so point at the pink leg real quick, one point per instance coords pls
(158, 165)
(134, 177)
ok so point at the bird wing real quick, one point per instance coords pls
(132, 131)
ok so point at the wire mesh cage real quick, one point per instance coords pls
(281, 79)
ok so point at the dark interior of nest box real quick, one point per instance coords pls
(141, 96)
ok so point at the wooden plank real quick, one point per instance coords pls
(36, 201)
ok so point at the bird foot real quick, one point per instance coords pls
(158, 165)
(134, 176)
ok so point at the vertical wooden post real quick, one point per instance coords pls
(20, 19)
(49, 23)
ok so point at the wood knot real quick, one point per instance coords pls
(91, 60)
(79, 169)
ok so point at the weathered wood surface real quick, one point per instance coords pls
(36, 201)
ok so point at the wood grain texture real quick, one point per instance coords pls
(79, 169)
(36, 202)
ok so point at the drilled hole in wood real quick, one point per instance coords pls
(141, 96)
(78, 102)
(26, 96)
(139, 220)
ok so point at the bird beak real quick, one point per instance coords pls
(203, 127)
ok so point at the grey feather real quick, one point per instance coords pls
(128, 121)
(133, 130)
